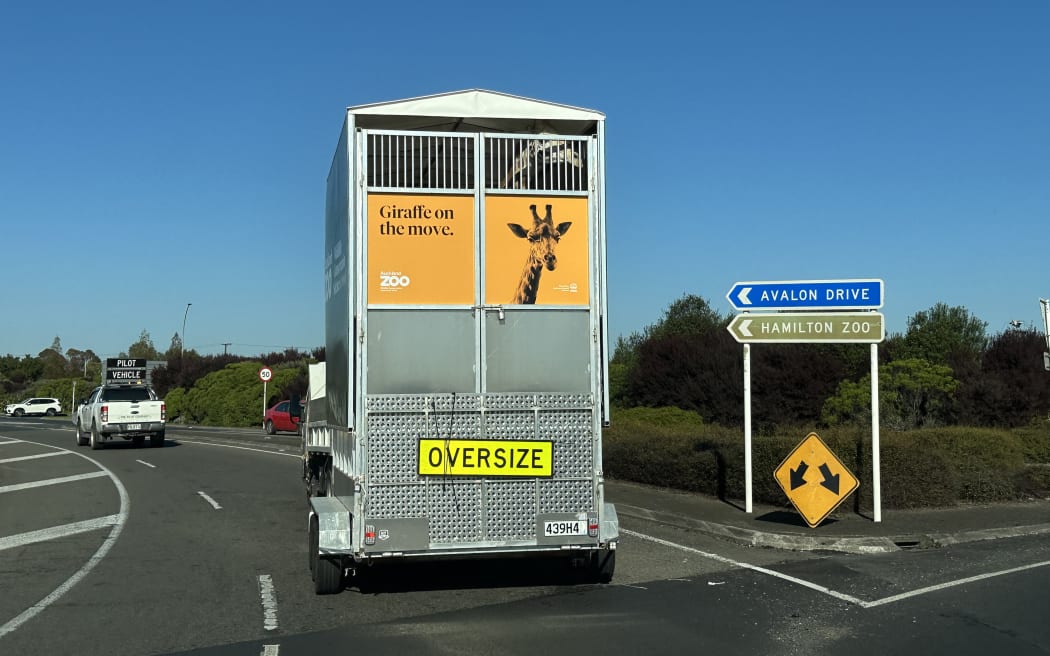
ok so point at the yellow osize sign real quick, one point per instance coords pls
(814, 480)
(439, 457)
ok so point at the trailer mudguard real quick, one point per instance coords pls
(334, 525)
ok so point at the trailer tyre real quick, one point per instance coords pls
(327, 572)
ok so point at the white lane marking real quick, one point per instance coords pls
(96, 558)
(828, 591)
(146, 463)
(743, 565)
(57, 481)
(55, 532)
(33, 457)
(951, 584)
(269, 602)
(297, 456)
(213, 502)
(271, 650)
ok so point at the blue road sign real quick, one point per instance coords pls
(807, 295)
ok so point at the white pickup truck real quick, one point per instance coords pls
(131, 412)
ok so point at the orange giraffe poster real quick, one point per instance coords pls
(420, 249)
(536, 250)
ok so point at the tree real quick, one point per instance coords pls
(790, 382)
(688, 315)
(945, 335)
(700, 372)
(912, 394)
(175, 349)
(1012, 387)
(54, 363)
(144, 348)
(81, 362)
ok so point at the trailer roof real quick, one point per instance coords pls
(476, 110)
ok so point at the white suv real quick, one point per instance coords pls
(35, 406)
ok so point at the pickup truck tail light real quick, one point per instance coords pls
(104, 413)
(163, 412)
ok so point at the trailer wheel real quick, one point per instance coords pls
(82, 439)
(603, 565)
(95, 439)
(327, 572)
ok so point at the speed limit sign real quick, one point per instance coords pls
(265, 374)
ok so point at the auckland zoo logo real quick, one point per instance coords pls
(542, 237)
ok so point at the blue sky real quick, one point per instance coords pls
(154, 155)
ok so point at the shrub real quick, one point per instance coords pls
(928, 467)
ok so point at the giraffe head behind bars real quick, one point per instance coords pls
(542, 238)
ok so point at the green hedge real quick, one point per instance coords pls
(920, 468)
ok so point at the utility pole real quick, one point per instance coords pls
(224, 345)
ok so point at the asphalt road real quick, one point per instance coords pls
(200, 547)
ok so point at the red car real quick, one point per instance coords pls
(278, 418)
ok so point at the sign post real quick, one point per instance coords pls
(265, 374)
(810, 312)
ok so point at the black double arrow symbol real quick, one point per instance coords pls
(831, 482)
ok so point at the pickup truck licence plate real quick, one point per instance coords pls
(134, 426)
(574, 527)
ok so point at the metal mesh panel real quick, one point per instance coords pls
(565, 496)
(530, 401)
(510, 425)
(421, 402)
(392, 443)
(573, 447)
(454, 509)
(396, 501)
(420, 161)
(394, 438)
(552, 164)
(462, 511)
(511, 510)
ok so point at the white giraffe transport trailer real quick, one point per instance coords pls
(467, 353)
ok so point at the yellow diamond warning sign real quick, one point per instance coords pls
(814, 480)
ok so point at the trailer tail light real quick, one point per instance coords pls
(104, 413)
(370, 534)
(163, 412)
(592, 527)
